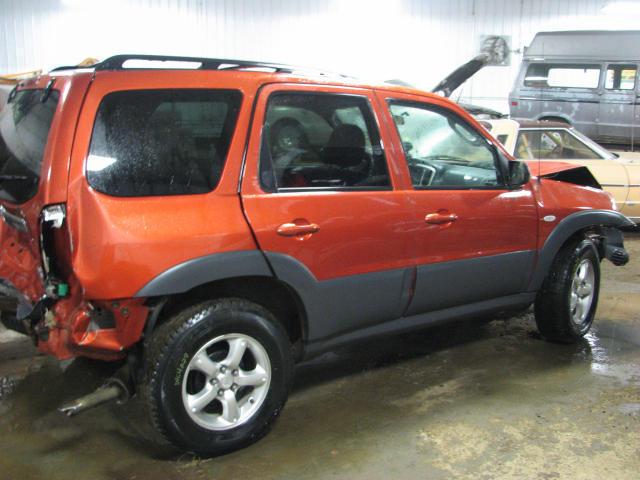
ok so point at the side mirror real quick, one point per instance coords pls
(518, 174)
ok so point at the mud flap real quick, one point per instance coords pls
(614, 250)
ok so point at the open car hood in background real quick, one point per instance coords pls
(482, 113)
(460, 75)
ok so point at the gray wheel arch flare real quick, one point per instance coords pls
(198, 271)
(565, 229)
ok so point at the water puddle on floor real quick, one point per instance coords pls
(382, 409)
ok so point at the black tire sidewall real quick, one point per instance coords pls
(584, 250)
(204, 326)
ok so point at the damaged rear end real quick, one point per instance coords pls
(37, 129)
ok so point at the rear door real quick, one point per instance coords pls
(618, 103)
(475, 239)
(326, 206)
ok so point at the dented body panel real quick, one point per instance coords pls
(618, 174)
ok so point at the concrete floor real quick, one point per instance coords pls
(462, 401)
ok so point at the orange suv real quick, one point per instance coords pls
(215, 221)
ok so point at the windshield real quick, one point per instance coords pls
(558, 144)
(24, 128)
(596, 147)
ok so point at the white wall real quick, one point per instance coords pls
(419, 41)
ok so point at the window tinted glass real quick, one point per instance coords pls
(551, 145)
(442, 150)
(621, 77)
(24, 129)
(321, 141)
(559, 75)
(161, 142)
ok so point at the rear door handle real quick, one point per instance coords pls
(439, 218)
(295, 230)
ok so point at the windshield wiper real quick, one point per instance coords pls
(13, 177)
(447, 158)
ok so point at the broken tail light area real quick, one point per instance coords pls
(19, 265)
(19, 258)
(97, 329)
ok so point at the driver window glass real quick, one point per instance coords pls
(551, 145)
(443, 151)
(321, 141)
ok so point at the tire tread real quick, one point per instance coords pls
(162, 340)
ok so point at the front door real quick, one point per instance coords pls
(475, 239)
(319, 196)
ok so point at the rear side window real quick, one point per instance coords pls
(562, 75)
(321, 141)
(161, 142)
(24, 129)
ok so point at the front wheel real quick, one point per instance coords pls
(217, 376)
(566, 304)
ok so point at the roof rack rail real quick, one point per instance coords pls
(71, 67)
(117, 63)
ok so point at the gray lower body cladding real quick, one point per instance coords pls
(347, 304)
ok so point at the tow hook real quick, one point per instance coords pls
(114, 389)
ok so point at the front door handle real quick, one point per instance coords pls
(440, 218)
(295, 229)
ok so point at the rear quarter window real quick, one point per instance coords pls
(161, 142)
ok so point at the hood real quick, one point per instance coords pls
(546, 168)
(460, 75)
(628, 157)
(481, 112)
(563, 172)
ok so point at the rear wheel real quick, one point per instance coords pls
(566, 304)
(217, 376)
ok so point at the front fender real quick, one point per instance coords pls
(566, 228)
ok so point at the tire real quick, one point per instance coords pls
(193, 410)
(564, 309)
